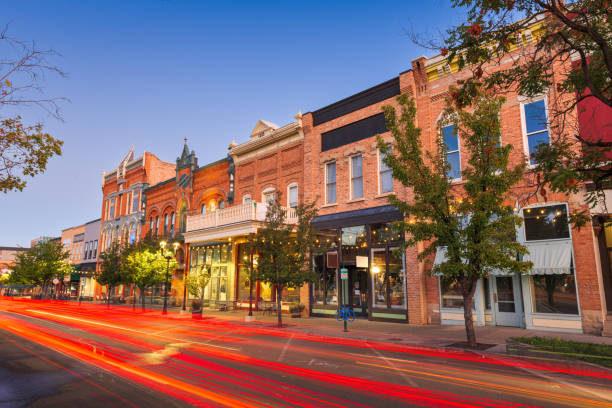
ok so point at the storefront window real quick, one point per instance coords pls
(265, 292)
(354, 243)
(396, 280)
(385, 233)
(324, 288)
(451, 293)
(554, 294)
(548, 222)
(291, 294)
(244, 261)
(379, 267)
(220, 282)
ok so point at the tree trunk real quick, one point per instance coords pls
(278, 305)
(108, 296)
(134, 300)
(467, 289)
(142, 297)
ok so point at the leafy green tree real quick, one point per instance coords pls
(111, 268)
(474, 223)
(24, 150)
(284, 249)
(577, 34)
(147, 267)
(196, 282)
(40, 265)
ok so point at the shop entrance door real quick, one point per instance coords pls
(358, 289)
(506, 298)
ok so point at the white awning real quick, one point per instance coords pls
(550, 257)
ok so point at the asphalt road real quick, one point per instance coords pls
(57, 354)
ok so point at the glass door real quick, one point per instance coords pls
(505, 298)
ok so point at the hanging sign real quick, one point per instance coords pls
(343, 273)
(55, 281)
(362, 261)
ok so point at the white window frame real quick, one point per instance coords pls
(453, 151)
(325, 184)
(526, 101)
(289, 187)
(246, 199)
(379, 173)
(351, 177)
(541, 205)
(267, 191)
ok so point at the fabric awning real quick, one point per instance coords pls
(550, 257)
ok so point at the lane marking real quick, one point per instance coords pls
(498, 387)
(282, 354)
(133, 330)
(393, 366)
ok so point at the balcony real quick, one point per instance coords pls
(235, 220)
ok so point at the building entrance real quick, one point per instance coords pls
(507, 300)
(358, 289)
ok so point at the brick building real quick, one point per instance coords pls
(344, 174)
(191, 190)
(267, 166)
(122, 201)
(7, 259)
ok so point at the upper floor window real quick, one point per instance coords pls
(112, 209)
(548, 222)
(95, 250)
(246, 199)
(221, 204)
(86, 255)
(203, 209)
(330, 183)
(136, 196)
(451, 140)
(269, 196)
(385, 175)
(165, 224)
(293, 196)
(156, 224)
(132, 236)
(356, 177)
(151, 224)
(536, 126)
(172, 222)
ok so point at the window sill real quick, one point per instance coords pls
(356, 200)
(383, 195)
(329, 205)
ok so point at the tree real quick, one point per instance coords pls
(24, 150)
(111, 269)
(474, 224)
(284, 249)
(196, 282)
(40, 264)
(147, 267)
(575, 34)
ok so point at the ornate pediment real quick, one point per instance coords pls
(262, 127)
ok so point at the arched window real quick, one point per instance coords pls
(246, 199)
(221, 204)
(156, 225)
(150, 225)
(165, 223)
(172, 221)
(203, 209)
(269, 195)
(292, 195)
(183, 217)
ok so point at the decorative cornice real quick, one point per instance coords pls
(275, 136)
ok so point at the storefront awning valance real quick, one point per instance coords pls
(550, 257)
(385, 213)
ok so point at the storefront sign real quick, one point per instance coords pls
(343, 273)
(362, 261)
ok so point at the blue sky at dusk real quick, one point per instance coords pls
(149, 73)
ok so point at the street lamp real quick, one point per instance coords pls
(168, 255)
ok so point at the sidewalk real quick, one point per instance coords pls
(363, 329)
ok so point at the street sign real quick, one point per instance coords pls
(343, 273)
(55, 281)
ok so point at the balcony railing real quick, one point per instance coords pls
(238, 213)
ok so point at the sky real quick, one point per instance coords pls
(150, 73)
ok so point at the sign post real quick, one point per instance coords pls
(344, 279)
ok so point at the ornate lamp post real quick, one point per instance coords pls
(168, 254)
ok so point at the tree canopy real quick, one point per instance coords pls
(473, 224)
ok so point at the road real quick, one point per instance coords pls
(60, 354)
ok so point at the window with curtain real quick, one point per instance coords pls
(156, 225)
(385, 175)
(165, 224)
(330, 182)
(536, 126)
(453, 158)
(356, 177)
(172, 221)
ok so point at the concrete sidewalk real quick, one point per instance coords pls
(373, 331)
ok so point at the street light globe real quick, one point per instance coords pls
(375, 269)
(162, 244)
(176, 245)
